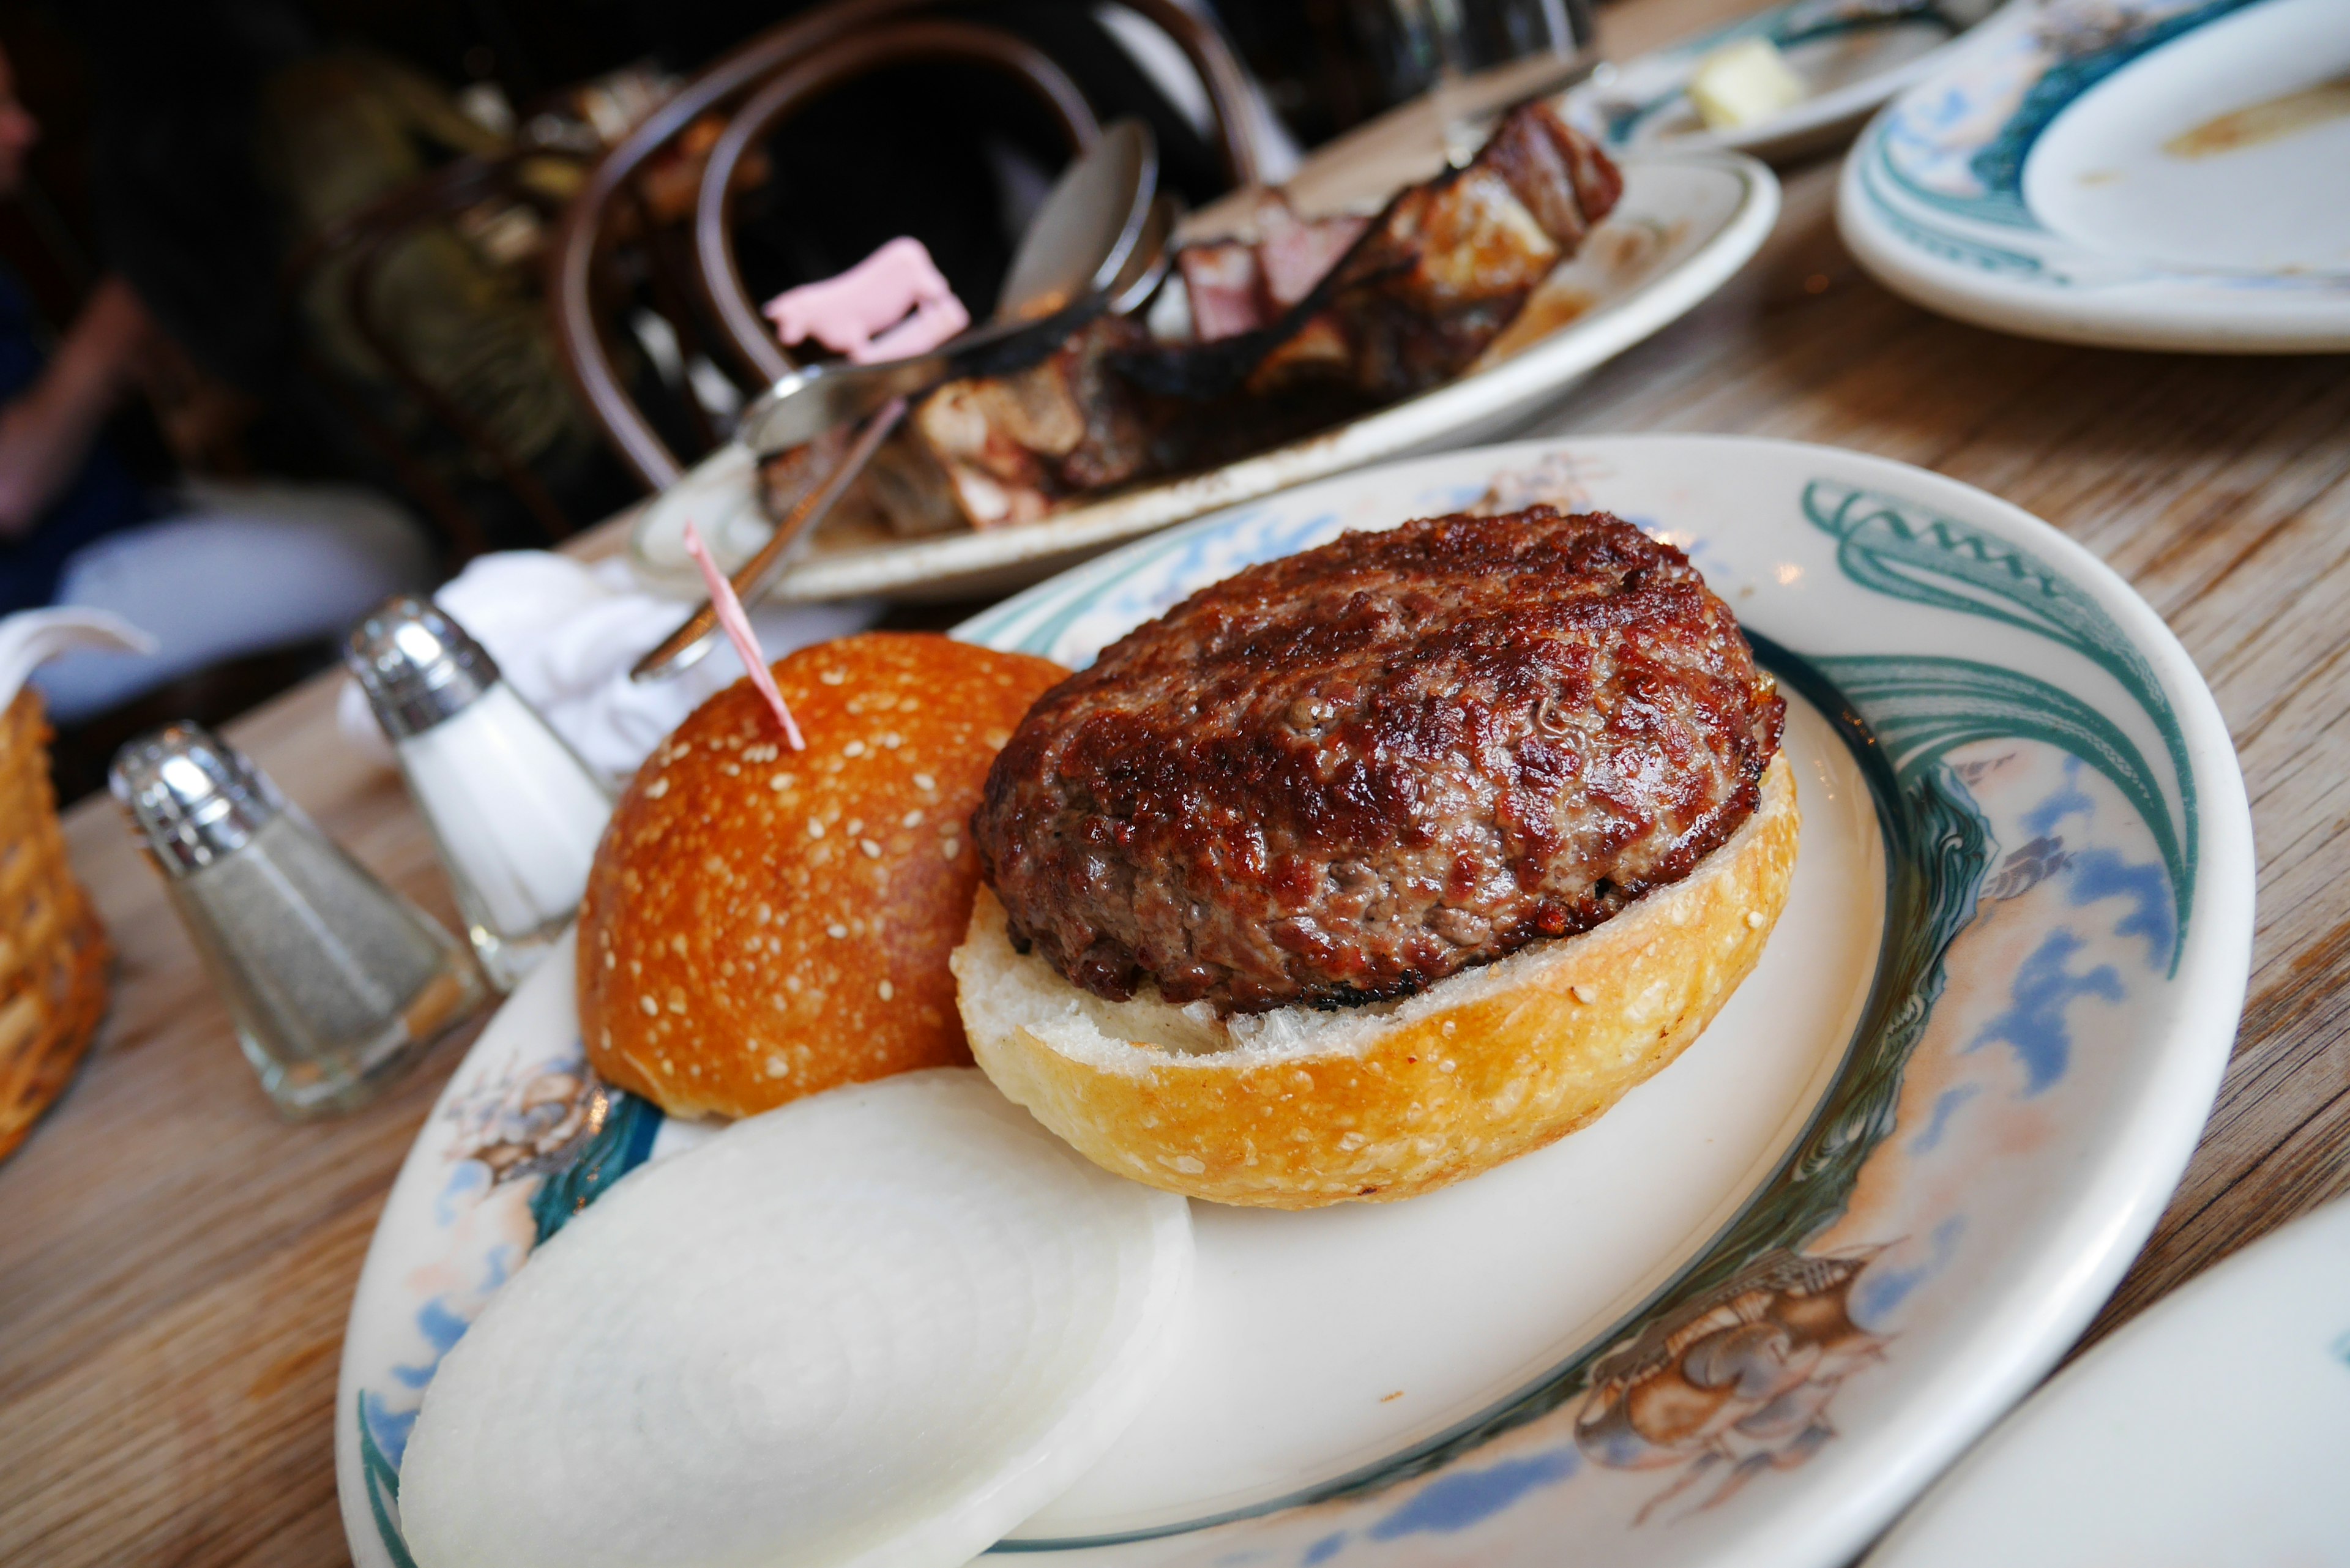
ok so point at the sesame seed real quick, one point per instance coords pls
(834, 676)
(731, 769)
(872, 850)
(1584, 994)
(888, 991)
(925, 781)
(951, 848)
(912, 819)
(996, 739)
(854, 749)
(836, 932)
(656, 789)
(648, 1004)
(893, 740)
(779, 781)
(855, 826)
(815, 828)
(1754, 920)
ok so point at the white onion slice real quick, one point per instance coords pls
(878, 1326)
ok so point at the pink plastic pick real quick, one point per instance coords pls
(738, 632)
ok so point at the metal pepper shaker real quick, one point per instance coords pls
(515, 812)
(335, 983)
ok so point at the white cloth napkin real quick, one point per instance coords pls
(565, 633)
(31, 637)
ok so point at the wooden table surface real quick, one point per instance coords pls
(175, 1263)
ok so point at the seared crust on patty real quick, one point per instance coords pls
(1343, 775)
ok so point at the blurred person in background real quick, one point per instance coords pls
(239, 153)
(213, 570)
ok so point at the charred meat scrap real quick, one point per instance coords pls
(1297, 325)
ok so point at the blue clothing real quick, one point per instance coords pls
(102, 499)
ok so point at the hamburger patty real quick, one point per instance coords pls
(1342, 776)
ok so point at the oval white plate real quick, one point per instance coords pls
(2210, 1430)
(1641, 106)
(1759, 1303)
(2134, 173)
(1683, 227)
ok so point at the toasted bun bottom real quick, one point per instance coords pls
(1295, 1108)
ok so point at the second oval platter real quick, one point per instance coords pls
(1684, 227)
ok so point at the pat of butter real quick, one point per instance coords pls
(1744, 84)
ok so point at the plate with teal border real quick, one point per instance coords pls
(2132, 174)
(1752, 1311)
(1850, 55)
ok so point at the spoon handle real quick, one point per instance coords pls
(689, 642)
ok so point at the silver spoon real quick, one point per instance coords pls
(1079, 248)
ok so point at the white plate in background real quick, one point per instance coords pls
(2131, 173)
(2210, 1430)
(1683, 227)
(1850, 64)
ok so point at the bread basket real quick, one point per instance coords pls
(53, 952)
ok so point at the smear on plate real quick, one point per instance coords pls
(2272, 119)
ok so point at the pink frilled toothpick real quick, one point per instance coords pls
(729, 608)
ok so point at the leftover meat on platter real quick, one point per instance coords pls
(1285, 327)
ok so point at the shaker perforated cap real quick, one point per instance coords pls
(417, 665)
(191, 796)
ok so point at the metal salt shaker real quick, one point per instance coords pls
(515, 812)
(335, 983)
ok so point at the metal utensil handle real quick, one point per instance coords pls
(804, 404)
(757, 575)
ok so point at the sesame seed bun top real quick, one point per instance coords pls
(761, 923)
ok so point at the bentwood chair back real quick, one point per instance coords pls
(361, 244)
(760, 85)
